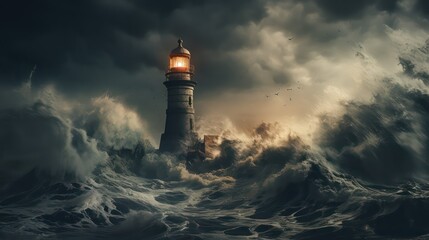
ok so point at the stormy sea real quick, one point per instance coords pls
(83, 171)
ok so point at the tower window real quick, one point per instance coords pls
(190, 101)
(191, 124)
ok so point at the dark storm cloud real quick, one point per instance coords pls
(338, 9)
(347, 10)
(60, 35)
(422, 6)
(51, 33)
(86, 48)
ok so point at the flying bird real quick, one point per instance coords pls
(267, 96)
(289, 89)
(277, 93)
(291, 38)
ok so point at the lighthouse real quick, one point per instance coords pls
(179, 133)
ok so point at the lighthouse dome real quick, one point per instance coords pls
(180, 50)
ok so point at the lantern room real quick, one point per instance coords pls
(180, 59)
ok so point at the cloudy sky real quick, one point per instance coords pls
(326, 51)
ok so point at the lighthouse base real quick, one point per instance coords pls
(177, 143)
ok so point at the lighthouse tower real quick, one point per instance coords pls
(179, 133)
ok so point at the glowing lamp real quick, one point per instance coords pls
(179, 62)
(180, 59)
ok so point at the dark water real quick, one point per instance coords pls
(364, 176)
(305, 200)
